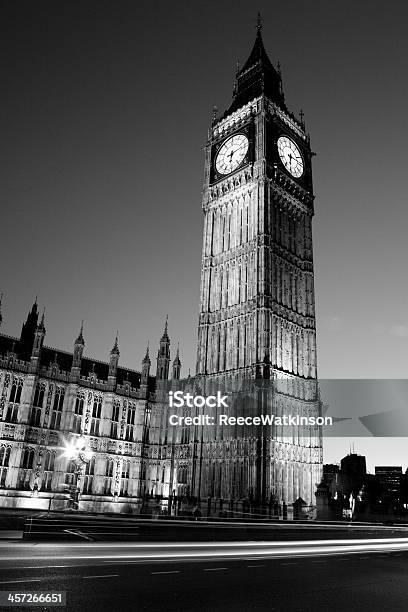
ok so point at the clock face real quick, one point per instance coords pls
(231, 154)
(290, 156)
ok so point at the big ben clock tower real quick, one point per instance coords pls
(257, 311)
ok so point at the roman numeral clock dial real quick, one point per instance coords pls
(231, 154)
(290, 156)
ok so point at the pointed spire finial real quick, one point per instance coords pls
(115, 349)
(177, 361)
(80, 339)
(259, 22)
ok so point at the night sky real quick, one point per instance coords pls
(105, 110)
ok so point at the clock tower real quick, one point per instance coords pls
(257, 328)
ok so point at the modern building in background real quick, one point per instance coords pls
(390, 478)
(256, 342)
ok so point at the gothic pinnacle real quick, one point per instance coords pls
(115, 349)
(80, 339)
(146, 358)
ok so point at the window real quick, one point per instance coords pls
(78, 412)
(107, 489)
(130, 423)
(115, 419)
(146, 425)
(27, 458)
(57, 408)
(96, 415)
(48, 470)
(89, 474)
(124, 483)
(39, 395)
(70, 473)
(4, 464)
(182, 475)
(35, 416)
(15, 393)
(109, 467)
(12, 412)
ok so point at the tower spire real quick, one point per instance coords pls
(78, 351)
(146, 358)
(177, 364)
(80, 339)
(163, 355)
(258, 76)
(115, 349)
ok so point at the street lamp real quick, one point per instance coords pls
(77, 451)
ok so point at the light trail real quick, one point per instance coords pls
(196, 551)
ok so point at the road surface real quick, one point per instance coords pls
(342, 574)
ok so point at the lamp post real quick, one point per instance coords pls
(77, 451)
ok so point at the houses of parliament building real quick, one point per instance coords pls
(99, 432)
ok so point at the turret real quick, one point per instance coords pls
(78, 352)
(146, 363)
(113, 362)
(28, 331)
(38, 342)
(163, 356)
(176, 365)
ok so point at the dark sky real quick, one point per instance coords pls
(105, 110)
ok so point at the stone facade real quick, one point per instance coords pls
(256, 342)
(257, 309)
(52, 398)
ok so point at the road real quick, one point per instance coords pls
(341, 574)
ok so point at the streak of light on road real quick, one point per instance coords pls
(193, 551)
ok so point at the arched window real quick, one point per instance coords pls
(124, 482)
(4, 464)
(78, 412)
(89, 474)
(130, 423)
(39, 395)
(49, 461)
(27, 459)
(96, 415)
(48, 470)
(109, 477)
(115, 419)
(57, 408)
